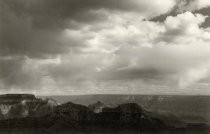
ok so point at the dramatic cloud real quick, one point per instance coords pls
(184, 29)
(195, 6)
(192, 5)
(92, 46)
(133, 51)
(33, 28)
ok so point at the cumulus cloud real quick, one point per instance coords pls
(181, 6)
(129, 51)
(180, 48)
(184, 28)
(83, 46)
(192, 5)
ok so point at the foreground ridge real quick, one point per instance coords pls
(46, 116)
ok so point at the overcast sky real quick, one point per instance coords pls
(51, 47)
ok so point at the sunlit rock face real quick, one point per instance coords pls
(97, 107)
(24, 105)
(11, 104)
(5, 108)
(46, 107)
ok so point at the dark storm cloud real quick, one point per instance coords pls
(132, 74)
(18, 35)
(14, 75)
(9, 68)
(33, 27)
(50, 14)
(64, 44)
(56, 13)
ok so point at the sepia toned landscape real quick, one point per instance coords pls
(104, 66)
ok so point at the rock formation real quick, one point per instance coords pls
(45, 116)
(24, 105)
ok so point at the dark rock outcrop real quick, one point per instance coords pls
(79, 118)
(129, 118)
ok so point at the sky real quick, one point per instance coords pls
(65, 47)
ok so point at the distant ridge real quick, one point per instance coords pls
(17, 96)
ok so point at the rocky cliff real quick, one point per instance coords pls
(45, 116)
(24, 105)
